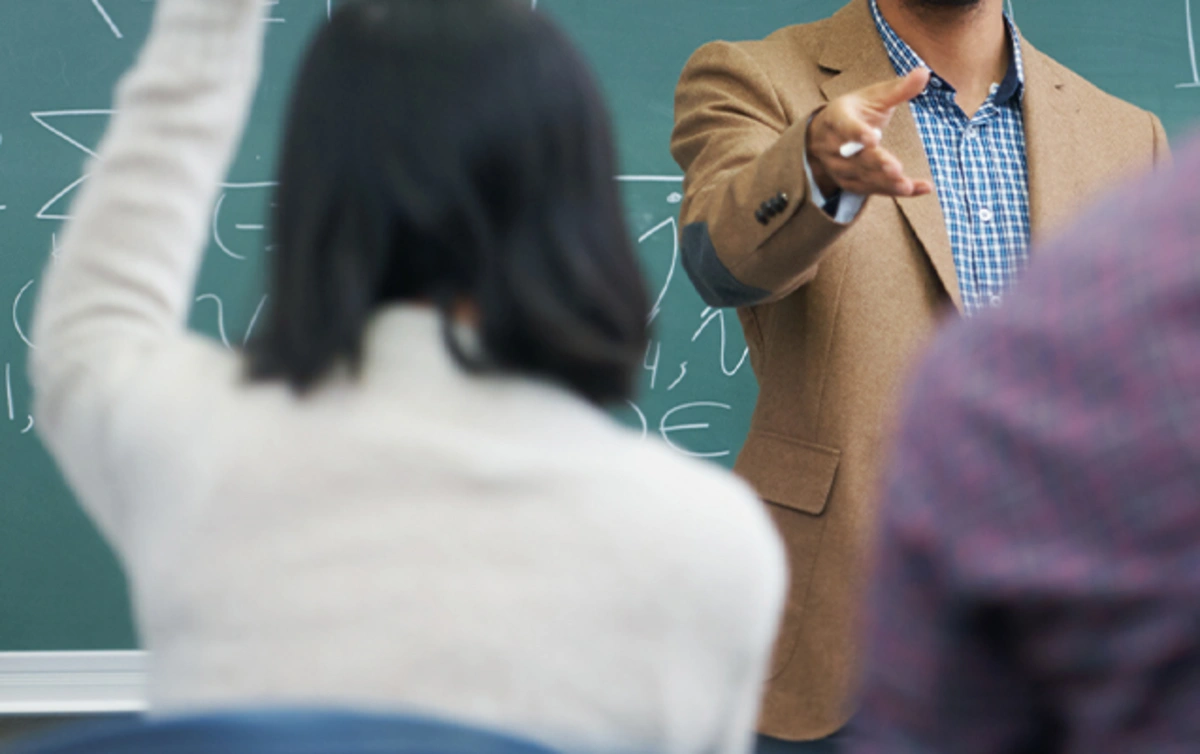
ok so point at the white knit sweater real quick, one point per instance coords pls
(490, 549)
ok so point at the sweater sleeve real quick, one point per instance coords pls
(119, 293)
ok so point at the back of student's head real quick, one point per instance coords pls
(449, 152)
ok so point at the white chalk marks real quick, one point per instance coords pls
(666, 429)
(44, 120)
(8, 394)
(8, 390)
(269, 18)
(224, 240)
(254, 320)
(1191, 37)
(669, 223)
(719, 315)
(99, 6)
(220, 315)
(687, 383)
(16, 320)
(61, 123)
(222, 332)
(652, 368)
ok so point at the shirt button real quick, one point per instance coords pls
(985, 215)
(994, 300)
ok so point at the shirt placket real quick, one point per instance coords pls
(982, 207)
(958, 205)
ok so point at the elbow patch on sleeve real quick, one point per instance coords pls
(712, 279)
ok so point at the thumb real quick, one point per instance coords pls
(891, 94)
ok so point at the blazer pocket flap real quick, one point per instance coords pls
(789, 472)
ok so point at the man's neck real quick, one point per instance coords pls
(968, 47)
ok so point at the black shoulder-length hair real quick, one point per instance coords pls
(442, 151)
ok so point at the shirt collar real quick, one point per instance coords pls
(904, 58)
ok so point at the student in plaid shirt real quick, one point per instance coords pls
(1038, 584)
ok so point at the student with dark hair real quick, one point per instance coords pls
(404, 494)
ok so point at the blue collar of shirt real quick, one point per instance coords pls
(905, 58)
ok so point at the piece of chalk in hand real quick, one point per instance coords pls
(851, 148)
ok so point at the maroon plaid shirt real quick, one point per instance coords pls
(1039, 577)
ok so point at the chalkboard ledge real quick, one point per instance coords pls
(70, 683)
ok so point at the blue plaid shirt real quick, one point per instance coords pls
(979, 170)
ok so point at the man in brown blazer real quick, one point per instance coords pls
(844, 199)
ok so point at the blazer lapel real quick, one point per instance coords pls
(1050, 151)
(855, 53)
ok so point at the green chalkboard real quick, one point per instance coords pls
(60, 587)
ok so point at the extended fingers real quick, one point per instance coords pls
(875, 171)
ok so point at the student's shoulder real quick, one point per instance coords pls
(707, 494)
(719, 536)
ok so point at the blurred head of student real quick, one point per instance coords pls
(455, 154)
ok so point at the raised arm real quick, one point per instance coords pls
(120, 291)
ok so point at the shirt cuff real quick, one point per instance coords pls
(843, 206)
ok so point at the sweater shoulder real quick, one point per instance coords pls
(708, 503)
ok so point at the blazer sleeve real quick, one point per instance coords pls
(742, 159)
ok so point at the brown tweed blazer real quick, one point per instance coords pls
(834, 315)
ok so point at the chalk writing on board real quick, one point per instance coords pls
(254, 320)
(244, 232)
(99, 6)
(641, 415)
(666, 225)
(653, 368)
(8, 394)
(668, 425)
(219, 307)
(8, 389)
(220, 314)
(667, 429)
(16, 307)
(1191, 37)
(676, 364)
(710, 315)
(56, 122)
(679, 379)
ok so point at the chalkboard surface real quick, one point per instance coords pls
(60, 587)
